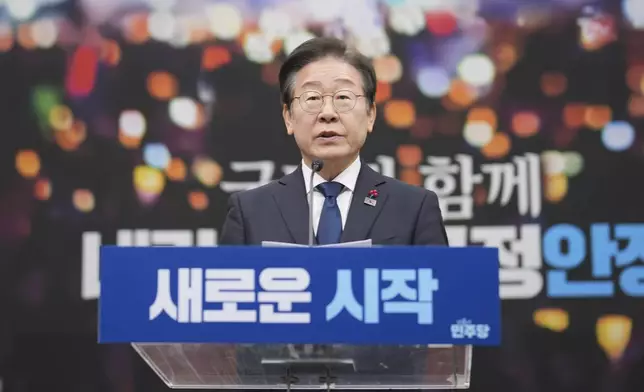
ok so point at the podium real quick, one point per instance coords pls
(247, 318)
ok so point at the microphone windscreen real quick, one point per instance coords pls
(317, 165)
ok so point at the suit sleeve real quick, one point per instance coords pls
(233, 232)
(430, 229)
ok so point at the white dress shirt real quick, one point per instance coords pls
(348, 178)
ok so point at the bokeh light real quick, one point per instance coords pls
(597, 116)
(44, 32)
(215, 57)
(198, 200)
(498, 147)
(60, 117)
(433, 82)
(186, 113)
(483, 114)
(505, 56)
(83, 200)
(207, 171)
(411, 176)
(400, 113)
(409, 155)
(574, 115)
(388, 68)
(225, 20)
(635, 78)
(525, 124)
(478, 133)
(461, 94)
(613, 333)
(258, 48)
(275, 23)
(162, 85)
(148, 183)
(22, 9)
(406, 19)
(28, 163)
(553, 84)
(574, 163)
(176, 170)
(477, 70)
(636, 106)
(70, 139)
(383, 92)
(634, 12)
(618, 136)
(556, 187)
(132, 124)
(136, 28)
(441, 23)
(553, 162)
(156, 155)
(42, 189)
(554, 319)
(162, 25)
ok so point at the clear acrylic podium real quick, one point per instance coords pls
(293, 367)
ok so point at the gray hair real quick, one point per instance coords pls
(318, 48)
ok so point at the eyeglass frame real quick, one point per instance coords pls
(332, 100)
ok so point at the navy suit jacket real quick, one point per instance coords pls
(278, 211)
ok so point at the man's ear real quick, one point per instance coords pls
(371, 117)
(286, 114)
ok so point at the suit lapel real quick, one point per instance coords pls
(293, 206)
(362, 216)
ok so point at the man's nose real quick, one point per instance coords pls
(328, 112)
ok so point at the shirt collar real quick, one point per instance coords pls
(348, 177)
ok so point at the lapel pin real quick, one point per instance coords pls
(370, 200)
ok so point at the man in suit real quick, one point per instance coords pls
(328, 94)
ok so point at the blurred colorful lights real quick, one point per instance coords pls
(477, 70)
(156, 155)
(618, 135)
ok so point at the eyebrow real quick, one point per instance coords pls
(338, 81)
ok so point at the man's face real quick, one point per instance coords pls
(323, 121)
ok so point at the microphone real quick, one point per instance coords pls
(316, 166)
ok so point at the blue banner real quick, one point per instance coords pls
(390, 295)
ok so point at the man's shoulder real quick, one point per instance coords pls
(253, 194)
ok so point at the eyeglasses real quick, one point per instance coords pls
(343, 101)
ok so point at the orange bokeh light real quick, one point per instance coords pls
(498, 147)
(461, 94)
(383, 92)
(42, 189)
(597, 116)
(83, 200)
(136, 30)
(400, 113)
(525, 124)
(28, 163)
(573, 115)
(553, 84)
(198, 200)
(411, 177)
(176, 170)
(483, 114)
(215, 57)
(409, 155)
(162, 85)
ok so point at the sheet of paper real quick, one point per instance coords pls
(353, 244)
(273, 244)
